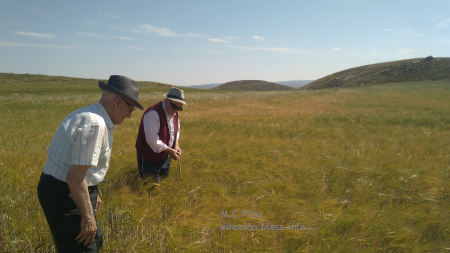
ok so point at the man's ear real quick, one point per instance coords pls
(116, 101)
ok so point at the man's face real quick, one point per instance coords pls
(176, 106)
(123, 109)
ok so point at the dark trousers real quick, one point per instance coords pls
(149, 168)
(63, 216)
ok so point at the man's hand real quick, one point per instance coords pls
(87, 232)
(174, 154)
(178, 150)
(98, 204)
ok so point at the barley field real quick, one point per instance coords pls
(334, 170)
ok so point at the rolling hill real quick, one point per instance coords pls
(256, 85)
(293, 83)
(417, 69)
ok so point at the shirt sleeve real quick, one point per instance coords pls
(87, 140)
(151, 129)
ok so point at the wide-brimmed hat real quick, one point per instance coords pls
(124, 87)
(176, 95)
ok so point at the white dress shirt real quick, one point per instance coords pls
(151, 129)
(84, 137)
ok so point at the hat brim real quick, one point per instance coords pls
(103, 86)
(175, 99)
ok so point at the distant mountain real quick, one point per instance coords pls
(418, 69)
(256, 85)
(295, 83)
(204, 86)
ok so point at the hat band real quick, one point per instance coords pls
(172, 96)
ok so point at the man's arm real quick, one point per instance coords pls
(177, 146)
(173, 153)
(79, 190)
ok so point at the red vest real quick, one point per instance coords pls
(164, 134)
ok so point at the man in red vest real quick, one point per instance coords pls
(159, 131)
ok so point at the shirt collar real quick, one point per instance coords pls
(102, 111)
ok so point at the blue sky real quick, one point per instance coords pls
(189, 42)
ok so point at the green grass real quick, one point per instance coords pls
(363, 169)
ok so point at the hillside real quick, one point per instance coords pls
(255, 85)
(44, 82)
(293, 83)
(418, 69)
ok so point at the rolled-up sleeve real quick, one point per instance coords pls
(151, 129)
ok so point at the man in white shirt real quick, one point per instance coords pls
(77, 161)
(158, 135)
